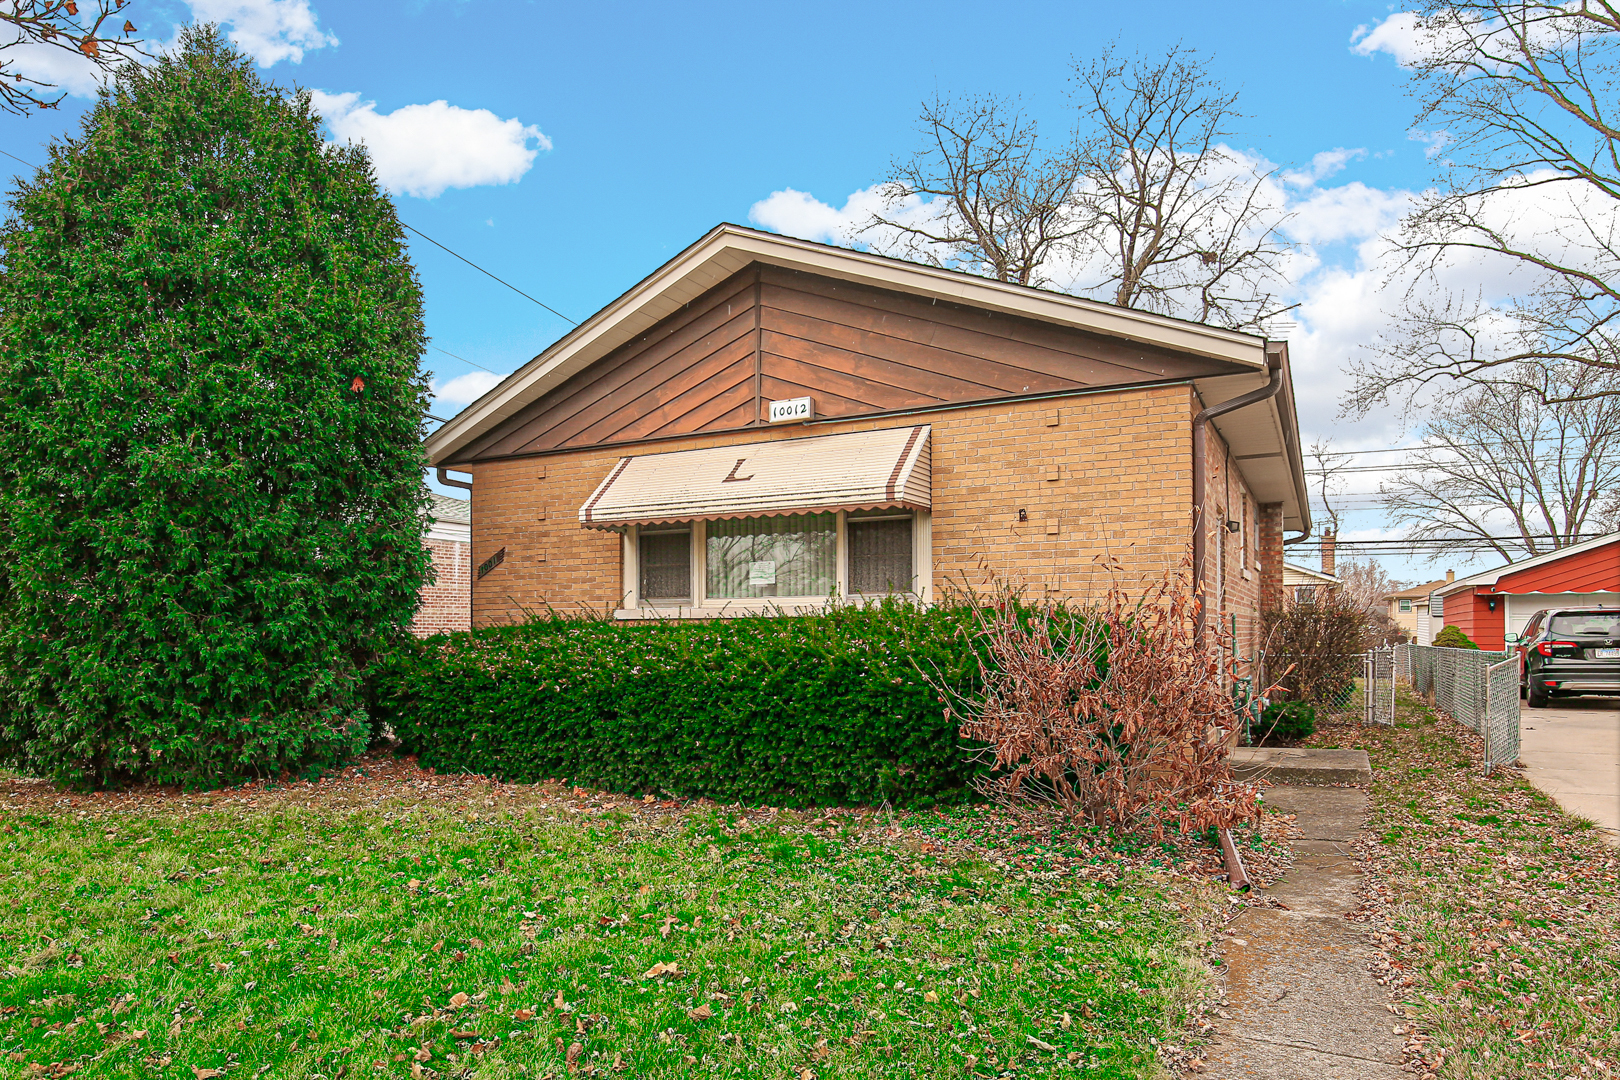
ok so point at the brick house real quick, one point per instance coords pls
(446, 604)
(768, 422)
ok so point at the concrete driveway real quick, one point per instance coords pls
(1571, 750)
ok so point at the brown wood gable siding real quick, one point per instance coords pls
(856, 350)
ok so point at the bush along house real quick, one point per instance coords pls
(766, 423)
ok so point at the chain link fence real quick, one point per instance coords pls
(1476, 688)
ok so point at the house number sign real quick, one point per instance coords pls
(799, 408)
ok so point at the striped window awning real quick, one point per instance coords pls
(860, 470)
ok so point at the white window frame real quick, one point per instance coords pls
(704, 607)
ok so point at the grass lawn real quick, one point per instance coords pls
(419, 926)
(1501, 914)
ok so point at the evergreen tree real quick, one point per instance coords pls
(211, 415)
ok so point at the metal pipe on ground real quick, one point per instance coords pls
(1236, 876)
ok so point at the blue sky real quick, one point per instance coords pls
(599, 139)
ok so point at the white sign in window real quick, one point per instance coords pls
(799, 408)
(762, 572)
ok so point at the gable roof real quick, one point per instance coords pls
(1295, 574)
(1417, 592)
(448, 509)
(1492, 577)
(1263, 438)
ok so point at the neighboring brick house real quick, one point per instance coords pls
(447, 603)
(933, 427)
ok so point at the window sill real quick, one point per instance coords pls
(735, 608)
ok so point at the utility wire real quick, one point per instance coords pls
(486, 273)
(14, 157)
(463, 359)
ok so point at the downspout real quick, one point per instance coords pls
(444, 478)
(1200, 448)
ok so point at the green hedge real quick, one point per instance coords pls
(1451, 637)
(796, 711)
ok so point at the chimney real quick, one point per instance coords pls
(1328, 537)
(1451, 575)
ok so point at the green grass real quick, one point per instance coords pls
(1503, 911)
(327, 942)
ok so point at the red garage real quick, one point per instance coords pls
(1497, 602)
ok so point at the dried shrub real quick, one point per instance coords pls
(1116, 715)
(1314, 651)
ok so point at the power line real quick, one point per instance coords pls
(463, 359)
(14, 157)
(487, 274)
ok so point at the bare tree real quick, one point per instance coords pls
(1003, 200)
(1182, 224)
(1498, 461)
(92, 35)
(1524, 95)
(1141, 204)
(1367, 585)
(1326, 468)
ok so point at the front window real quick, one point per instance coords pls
(793, 555)
(666, 565)
(725, 563)
(1406, 605)
(880, 558)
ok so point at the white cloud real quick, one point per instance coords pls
(465, 389)
(56, 67)
(1323, 165)
(1351, 211)
(267, 30)
(423, 149)
(798, 213)
(1399, 35)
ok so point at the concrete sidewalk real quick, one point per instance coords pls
(1571, 750)
(1299, 990)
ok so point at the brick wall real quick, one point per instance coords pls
(446, 603)
(1236, 588)
(1271, 556)
(1122, 462)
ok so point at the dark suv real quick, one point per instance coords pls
(1565, 651)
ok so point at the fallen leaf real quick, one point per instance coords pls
(523, 1014)
(702, 1012)
(206, 1074)
(507, 986)
(931, 997)
(439, 947)
(661, 968)
(459, 1000)
(558, 1002)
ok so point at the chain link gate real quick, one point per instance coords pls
(1378, 687)
(1478, 689)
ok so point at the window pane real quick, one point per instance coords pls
(794, 555)
(666, 566)
(880, 556)
(1406, 605)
